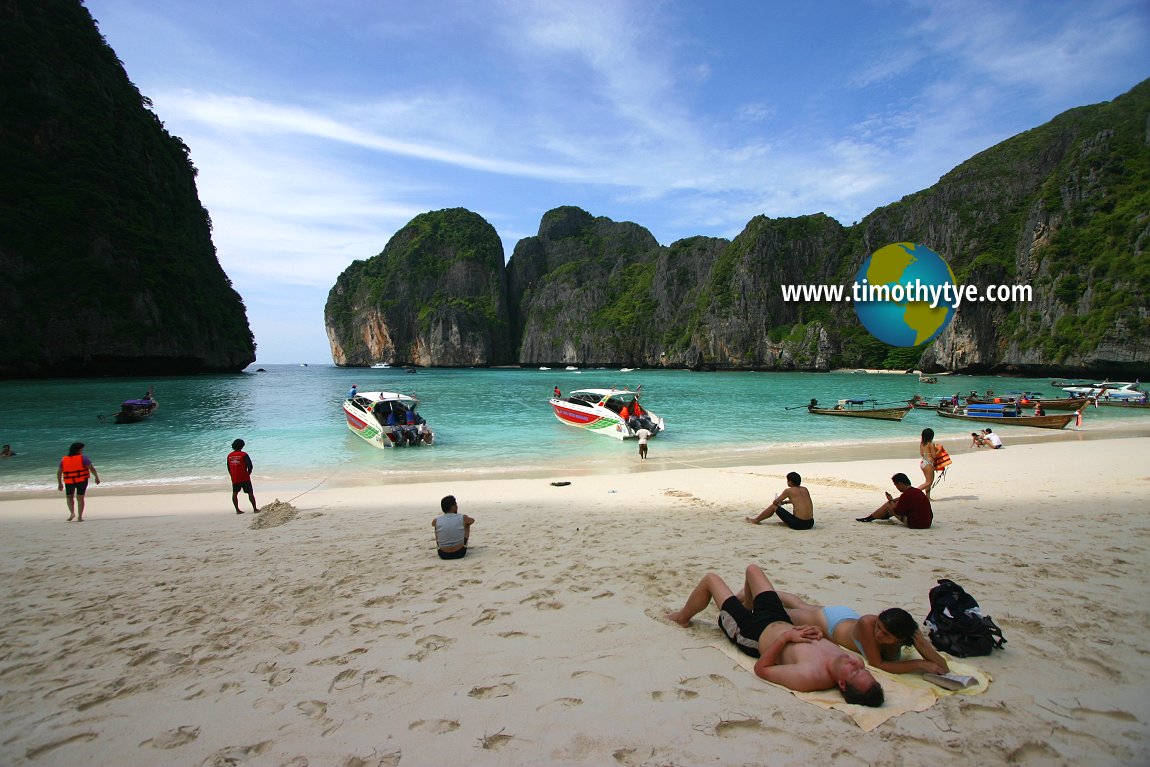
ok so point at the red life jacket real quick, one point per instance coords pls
(75, 471)
(238, 466)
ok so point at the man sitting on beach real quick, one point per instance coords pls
(912, 507)
(452, 530)
(803, 517)
(799, 658)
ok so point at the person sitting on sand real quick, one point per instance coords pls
(912, 507)
(799, 658)
(976, 440)
(803, 516)
(992, 439)
(452, 530)
(879, 638)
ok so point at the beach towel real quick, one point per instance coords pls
(903, 692)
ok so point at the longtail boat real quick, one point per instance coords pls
(1122, 403)
(1063, 403)
(858, 408)
(1007, 415)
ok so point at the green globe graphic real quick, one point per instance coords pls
(897, 321)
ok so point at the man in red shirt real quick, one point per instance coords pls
(240, 469)
(912, 507)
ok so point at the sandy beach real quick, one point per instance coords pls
(166, 630)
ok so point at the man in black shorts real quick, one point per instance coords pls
(799, 658)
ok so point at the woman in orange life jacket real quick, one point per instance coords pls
(72, 476)
(934, 458)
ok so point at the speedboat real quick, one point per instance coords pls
(1109, 390)
(381, 366)
(387, 419)
(602, 411)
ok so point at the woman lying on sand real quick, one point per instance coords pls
(879, 638)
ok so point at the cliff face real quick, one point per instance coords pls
(1064, 208)
(434, 296)
(106, 259)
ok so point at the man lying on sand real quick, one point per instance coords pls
(799, 658)
(879, 638)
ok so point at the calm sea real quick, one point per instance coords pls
(488, 422)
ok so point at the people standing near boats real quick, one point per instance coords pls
(1039, 410)
(72, 476)
(240, 470)
(558, 394)
(352, 392)
(644, 436)
(452, 530)
(912, 507)
(802, 516)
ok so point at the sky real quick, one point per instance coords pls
(321, 127)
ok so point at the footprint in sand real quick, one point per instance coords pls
(174, 738)
(428, 645)
(561, 703)
(676, 694)
(313, 709)
(434, 726)
(494, 691)
(230, 756)
(496, 741)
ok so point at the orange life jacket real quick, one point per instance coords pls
(941, 458)
(75, 471)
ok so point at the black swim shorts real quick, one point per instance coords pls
(452, 554)
(246, 486)
(76, 488)
(743, 626)
(794, 522)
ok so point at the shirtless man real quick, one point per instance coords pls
(799, 658)
(803, 517)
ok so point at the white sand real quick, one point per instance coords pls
(165, 630)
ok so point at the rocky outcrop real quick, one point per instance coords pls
(107, 265)
(435, 296)
(1064, 208)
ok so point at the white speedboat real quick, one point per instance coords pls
(381, 366)
(387, 419)
(1108, 390)
(602, 411)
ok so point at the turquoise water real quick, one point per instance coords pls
(488, 422)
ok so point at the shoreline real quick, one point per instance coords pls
(844, 451)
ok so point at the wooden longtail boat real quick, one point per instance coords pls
(1005, 415)
(857, 408)
(1064, 403)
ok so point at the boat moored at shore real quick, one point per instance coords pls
(1009, 415)
(614, 412)
(861, 408)
(387, 419)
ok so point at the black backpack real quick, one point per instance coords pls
(957, 626)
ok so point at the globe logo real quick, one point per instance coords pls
(892, 297)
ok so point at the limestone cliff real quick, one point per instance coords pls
(1064, 208)
(435, 296)
(106, 259)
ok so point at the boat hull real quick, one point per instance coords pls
(878, 414)
(1068, 403)
(136, 413)
(1123, 403)
(598, 420)
(1037, 421)
(381, 435)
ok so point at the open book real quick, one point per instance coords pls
(950, 681)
